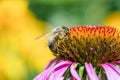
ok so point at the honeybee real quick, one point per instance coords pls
(56, 36)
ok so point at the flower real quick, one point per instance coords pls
(85, 53)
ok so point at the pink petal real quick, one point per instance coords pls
(91, 72)
(50, 63)
(42, 75)
(114, 68)
(62, 78)
(111, 74)
(69, 78)
(59, 73)
(47, 73)
(73, 72)
(51, 77)
(58, 65)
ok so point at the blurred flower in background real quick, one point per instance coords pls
(113, 19)
(20, 54)
(22, 57)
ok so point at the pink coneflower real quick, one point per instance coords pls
(84, 53)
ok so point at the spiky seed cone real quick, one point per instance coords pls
(94, 44)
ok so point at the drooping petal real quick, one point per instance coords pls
(42, 75)
(47, 73)
(69, 78)
(74, 72)
(60, 72)
(62, 78)
(114, 68)
(50, 63)
(51, 77)
(57, 66)
(110, 72)
(91, 72)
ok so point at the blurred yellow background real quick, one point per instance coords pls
(22, 56)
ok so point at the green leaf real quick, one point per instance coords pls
(81, 71)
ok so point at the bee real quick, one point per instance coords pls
(58, 35)
(55, 37)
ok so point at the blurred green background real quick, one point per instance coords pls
(22, 57)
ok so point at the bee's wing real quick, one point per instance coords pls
(41, 37)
